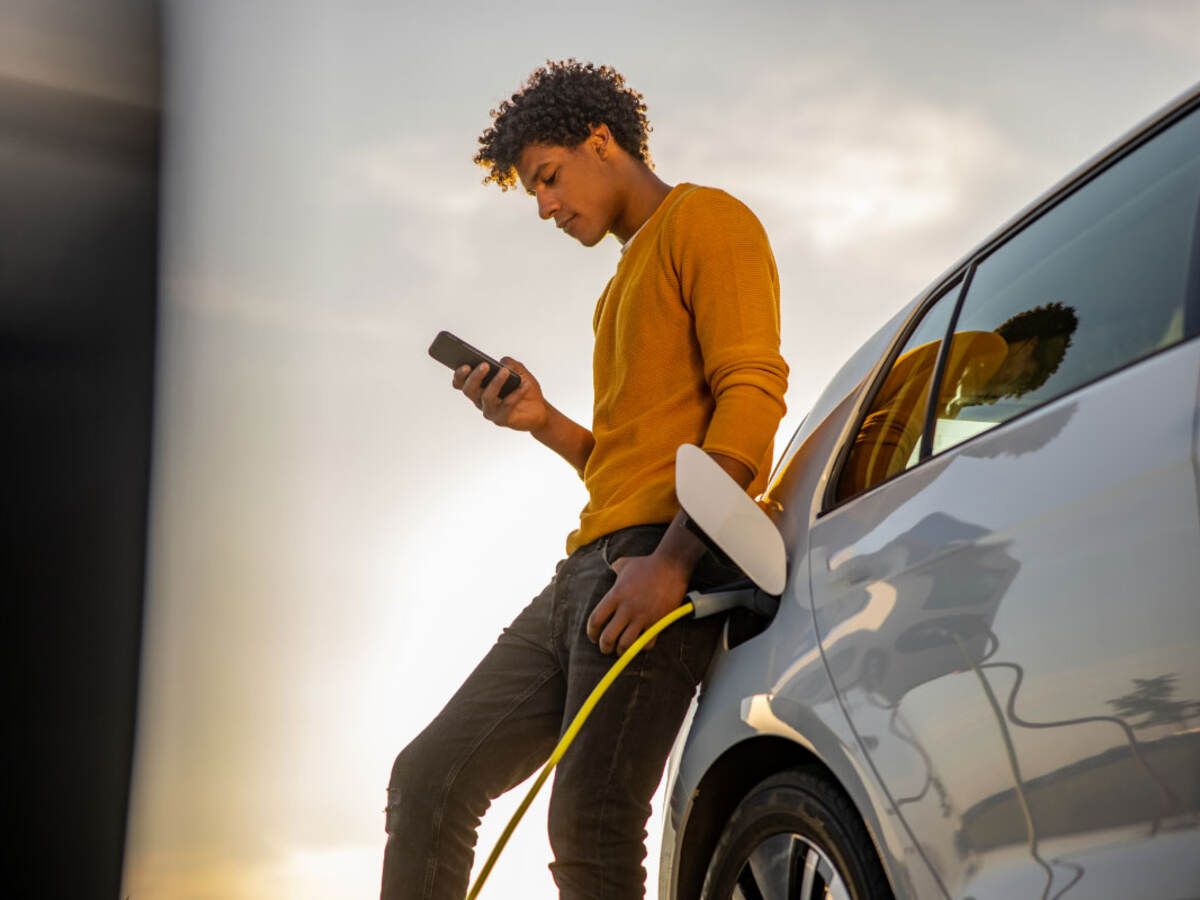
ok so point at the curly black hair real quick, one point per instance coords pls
(1052, 320)
(560, 103)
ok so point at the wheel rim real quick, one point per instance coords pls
(789, 867)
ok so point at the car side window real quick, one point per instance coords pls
(1099, 281)
(889, 439)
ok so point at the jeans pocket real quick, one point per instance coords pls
(638, 540)
(590, 581)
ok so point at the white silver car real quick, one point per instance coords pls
(983, 678)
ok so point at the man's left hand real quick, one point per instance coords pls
(647, 588)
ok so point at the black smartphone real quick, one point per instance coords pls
(455, 352)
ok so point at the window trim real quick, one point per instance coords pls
(939, 368)
(1141, 360)
(1191, 296)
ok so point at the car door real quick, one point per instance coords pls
(1005, 564)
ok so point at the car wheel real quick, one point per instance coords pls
(795, 836)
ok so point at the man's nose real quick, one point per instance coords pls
(547, 204)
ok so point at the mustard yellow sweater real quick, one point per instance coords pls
(687, 350)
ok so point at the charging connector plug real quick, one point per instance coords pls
(743, 594)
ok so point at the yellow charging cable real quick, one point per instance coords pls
(569, 735)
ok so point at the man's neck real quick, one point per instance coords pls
(645, 192)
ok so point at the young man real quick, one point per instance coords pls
(687, 350)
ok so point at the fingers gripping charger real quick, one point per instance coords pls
(725, 517)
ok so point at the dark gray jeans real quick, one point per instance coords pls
(504, 721)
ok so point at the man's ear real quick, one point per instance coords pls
(601, 140)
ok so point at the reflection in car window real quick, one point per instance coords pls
(1097, 282)
(889, 439)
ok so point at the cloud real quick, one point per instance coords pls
(414, 174)
(844, 164)
(1171, 25)
(216, 299)
(427, 204)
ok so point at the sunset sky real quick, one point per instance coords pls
(336, 536)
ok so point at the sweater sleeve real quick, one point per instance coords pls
(730, 285)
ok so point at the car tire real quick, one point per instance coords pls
(795, 835)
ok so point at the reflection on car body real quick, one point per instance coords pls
(989, 642)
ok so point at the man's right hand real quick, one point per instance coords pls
(525, 409)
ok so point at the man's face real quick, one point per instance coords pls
(1021, 370)
(1019, 364)
(575, 186)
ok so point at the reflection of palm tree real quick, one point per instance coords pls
(1134, 746)
(1151, 697)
